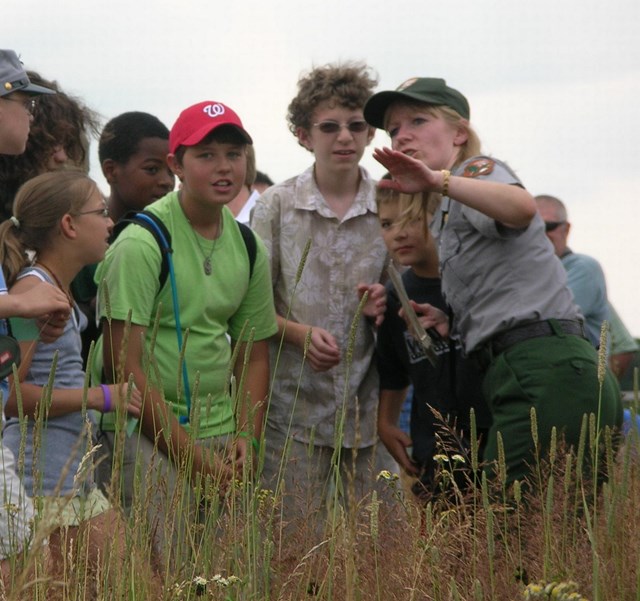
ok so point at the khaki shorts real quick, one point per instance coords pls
(57, 512)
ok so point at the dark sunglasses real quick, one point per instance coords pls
(549, 226)
(333, 127)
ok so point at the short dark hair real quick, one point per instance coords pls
(263, 178)
(121, 137)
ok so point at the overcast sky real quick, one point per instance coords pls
(554, 85)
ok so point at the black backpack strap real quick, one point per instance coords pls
(250, 242)
(153, 224)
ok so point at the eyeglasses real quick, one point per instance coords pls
(29, 104)
(333, 127)
(104, 212)
(549, 226)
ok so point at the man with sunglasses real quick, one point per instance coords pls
(584, 274)
(325, 384)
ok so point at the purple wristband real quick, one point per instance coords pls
(107, 398)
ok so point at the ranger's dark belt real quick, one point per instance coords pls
(501, 342)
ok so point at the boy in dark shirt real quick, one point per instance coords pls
(444, 393)
(133, 151)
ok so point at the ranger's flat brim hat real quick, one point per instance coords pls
(13, 77)
(430, 90)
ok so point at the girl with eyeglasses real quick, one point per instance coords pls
(507, 291)
(62, 219)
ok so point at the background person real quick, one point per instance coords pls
(585, 276)
(242, 205)
(132, 149)
(586, 280)
(61, 129)
(16, 510)
(262, 182)
(624, 347)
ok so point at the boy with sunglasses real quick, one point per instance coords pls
(324, 397)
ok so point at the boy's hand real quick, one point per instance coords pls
(218, 469)
(134, 406)
(429, 317)
(114, 398)
(409, 175)
(323, 353)
(376, 303)
(42, 299)
(52, 326)
(396, 441)
(48, 304)
(239, 452)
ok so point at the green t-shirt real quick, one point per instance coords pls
(211, 306)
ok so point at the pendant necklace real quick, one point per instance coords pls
(206, 262)
(206, 258)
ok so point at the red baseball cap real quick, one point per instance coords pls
(196, 122)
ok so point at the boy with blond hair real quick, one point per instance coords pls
(443, 392)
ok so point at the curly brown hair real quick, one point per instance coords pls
(58, 120)
(347, 84)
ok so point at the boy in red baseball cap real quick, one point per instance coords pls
(218, 291)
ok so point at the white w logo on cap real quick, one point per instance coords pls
(213, 110)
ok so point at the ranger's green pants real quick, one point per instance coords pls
(558, 376)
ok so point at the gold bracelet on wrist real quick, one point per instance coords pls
(446, 174)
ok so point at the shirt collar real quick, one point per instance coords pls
(309, 198)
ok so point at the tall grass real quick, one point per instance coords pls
(481, 549)
(563, 538)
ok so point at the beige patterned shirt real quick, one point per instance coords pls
(343, 253)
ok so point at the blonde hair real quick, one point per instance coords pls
(411, 206)
(38, 208)
(472, 146)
